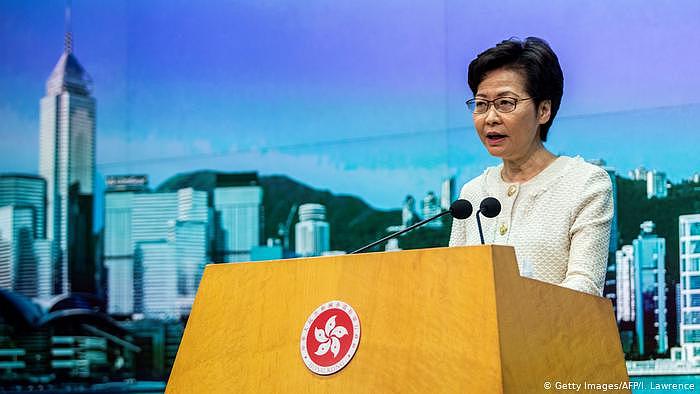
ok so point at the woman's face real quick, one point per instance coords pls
(512, 135)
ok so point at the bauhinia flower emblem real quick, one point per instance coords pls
(329, 338)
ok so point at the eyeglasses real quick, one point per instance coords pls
(502, 104)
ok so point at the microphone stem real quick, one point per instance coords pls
(396, 234)
(478, 222)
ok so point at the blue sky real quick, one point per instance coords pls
(358, 97)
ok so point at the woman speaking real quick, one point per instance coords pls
(556, 210)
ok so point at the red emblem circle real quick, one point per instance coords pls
(330, 337)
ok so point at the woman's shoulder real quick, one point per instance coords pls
(577, 170)
(478, 184)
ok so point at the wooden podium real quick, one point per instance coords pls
(432, 320)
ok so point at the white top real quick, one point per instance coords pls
(558, 222)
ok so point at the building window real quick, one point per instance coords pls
(695, 300)
(692, 336)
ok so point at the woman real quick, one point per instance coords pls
(556, 210)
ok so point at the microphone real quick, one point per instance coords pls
(460, 209)
(490, 208)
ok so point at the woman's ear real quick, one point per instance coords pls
(544, 112)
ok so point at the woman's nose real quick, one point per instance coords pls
(492, 116)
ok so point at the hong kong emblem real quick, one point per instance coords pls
(330, 337)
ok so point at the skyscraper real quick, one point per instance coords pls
(67, 162)
(312, 233)
(22, 218)
(638, 174)
(409, 216)
(689, 239)
(656, 184)
(26, 190)
(624, 302)
(119, 252)
(118, 246)
(17, 264)
(650, 291)
(625, 307)
(431, 207)
(238, 216)
(156, 245)
(157, 263)
(447, 193)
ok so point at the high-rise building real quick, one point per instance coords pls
(238, 216)
(638, 174)
(26, 190)
(312, 233)
(44, 252)
(190, 240)
(16, 226)
(18, 264)
(431, 207)
(119, 252)
(156, 245)
(689, 239)
(656, 184)
(157, 261)
(67, 162)
(447, 193)
(409, 216)
(23, 197)
(625, 308)
(7, 268)
(650, 291)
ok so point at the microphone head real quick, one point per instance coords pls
(461, 209)
(490, 207)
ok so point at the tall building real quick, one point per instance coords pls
(26, 190)
(24, 260)
(624, 302)
(238, 216)
(17, 263)
(689, 239)
(45, 253)
(431, 207)
(157, 262)
(67, 162)
(625, 308)
(650, 291)
(156, 245)
(638, 174)
(447, 193)
(409, 216)
(119, 252)
(312, 233)
(656, 184)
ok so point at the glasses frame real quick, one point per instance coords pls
(489, 103)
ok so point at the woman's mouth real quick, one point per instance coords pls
(495, 138)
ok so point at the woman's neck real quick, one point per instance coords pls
(527, 167)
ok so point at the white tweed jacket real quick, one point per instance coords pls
(558, 222)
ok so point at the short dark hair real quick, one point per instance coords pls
(535, 60)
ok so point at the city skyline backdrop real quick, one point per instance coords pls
(347, 97)
(374, 110)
